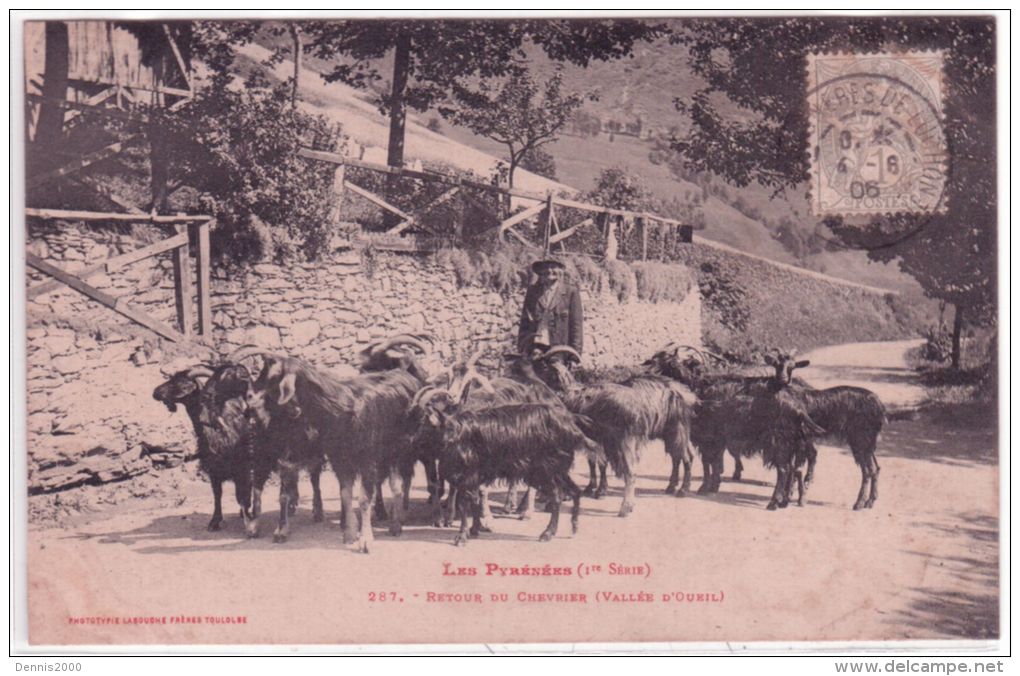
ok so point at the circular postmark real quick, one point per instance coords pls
(878, 144)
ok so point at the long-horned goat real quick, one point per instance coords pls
(721, 419)
(395, 353)
(626, 416)
(533, 443)
(216, 408)
(475, 392)
(851, 416)
(360, 424)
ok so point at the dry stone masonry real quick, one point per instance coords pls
(90, 372)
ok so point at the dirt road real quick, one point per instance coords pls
(922, 564)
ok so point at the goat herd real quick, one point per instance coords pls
(526, 427)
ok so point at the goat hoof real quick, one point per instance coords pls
(483, 528)
(251, 532)
(704, 490)
(214, 525)
(291, 509)
(350, 538)
(460, 541)
(588, 491)
(736, 476)
(545, 536)
(524, 516)
(670, 489)
(771, 506)
(602, 492)
(318, 517)
(396, 529)
(683, 492)
(626, 510)
(362, 547)
(279, 538)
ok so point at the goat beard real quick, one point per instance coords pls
(170, 406)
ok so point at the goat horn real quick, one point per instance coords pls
(200, 371)
(689, 348)
(472, 377)
(561, 349)
(473, 359)
(401, 339)
(246, 351)
(425, 395)
(713, 355)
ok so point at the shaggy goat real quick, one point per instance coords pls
(225, 452)
(626, 416)
(532, 443)
(851, 416)
(722, 411)
(779, 424)
(360, 424)
(521, 386)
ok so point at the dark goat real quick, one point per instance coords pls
(531, 443)
(721, 415)
(521, 387)
(851, 416)
(360, 424)
(225, 452)
(627, 415)
(778, 423)
(387, 355)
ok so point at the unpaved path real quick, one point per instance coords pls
(922, 564)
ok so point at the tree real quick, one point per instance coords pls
(758, 66)
(236, 148)
(539, 162)
(515, 113)
(432, 57)
(49, 130)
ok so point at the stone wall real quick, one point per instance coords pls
(91, 373)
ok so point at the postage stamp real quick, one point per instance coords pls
(877, 141)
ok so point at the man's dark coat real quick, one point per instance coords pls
(565, 322)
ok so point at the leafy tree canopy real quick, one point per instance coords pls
(749, 123)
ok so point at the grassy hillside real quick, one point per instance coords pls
(644, 84)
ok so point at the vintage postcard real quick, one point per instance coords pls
(563, 330)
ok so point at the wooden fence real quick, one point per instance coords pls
(188, 229)
(543, 210)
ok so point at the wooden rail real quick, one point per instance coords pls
(189, 228)
(544, 208)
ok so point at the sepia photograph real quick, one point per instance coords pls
(577, 329)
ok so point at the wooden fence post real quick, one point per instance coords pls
(339, 176)
(547, 220)
(643, 225)
(204, 286)
(612, 246)
(461, 214)
(182, 284)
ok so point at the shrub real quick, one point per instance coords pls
(662, 282)
(238, 149)
(588, 274)
(621, 280)
(538, 161)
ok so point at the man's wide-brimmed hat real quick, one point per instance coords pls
(538, 267)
